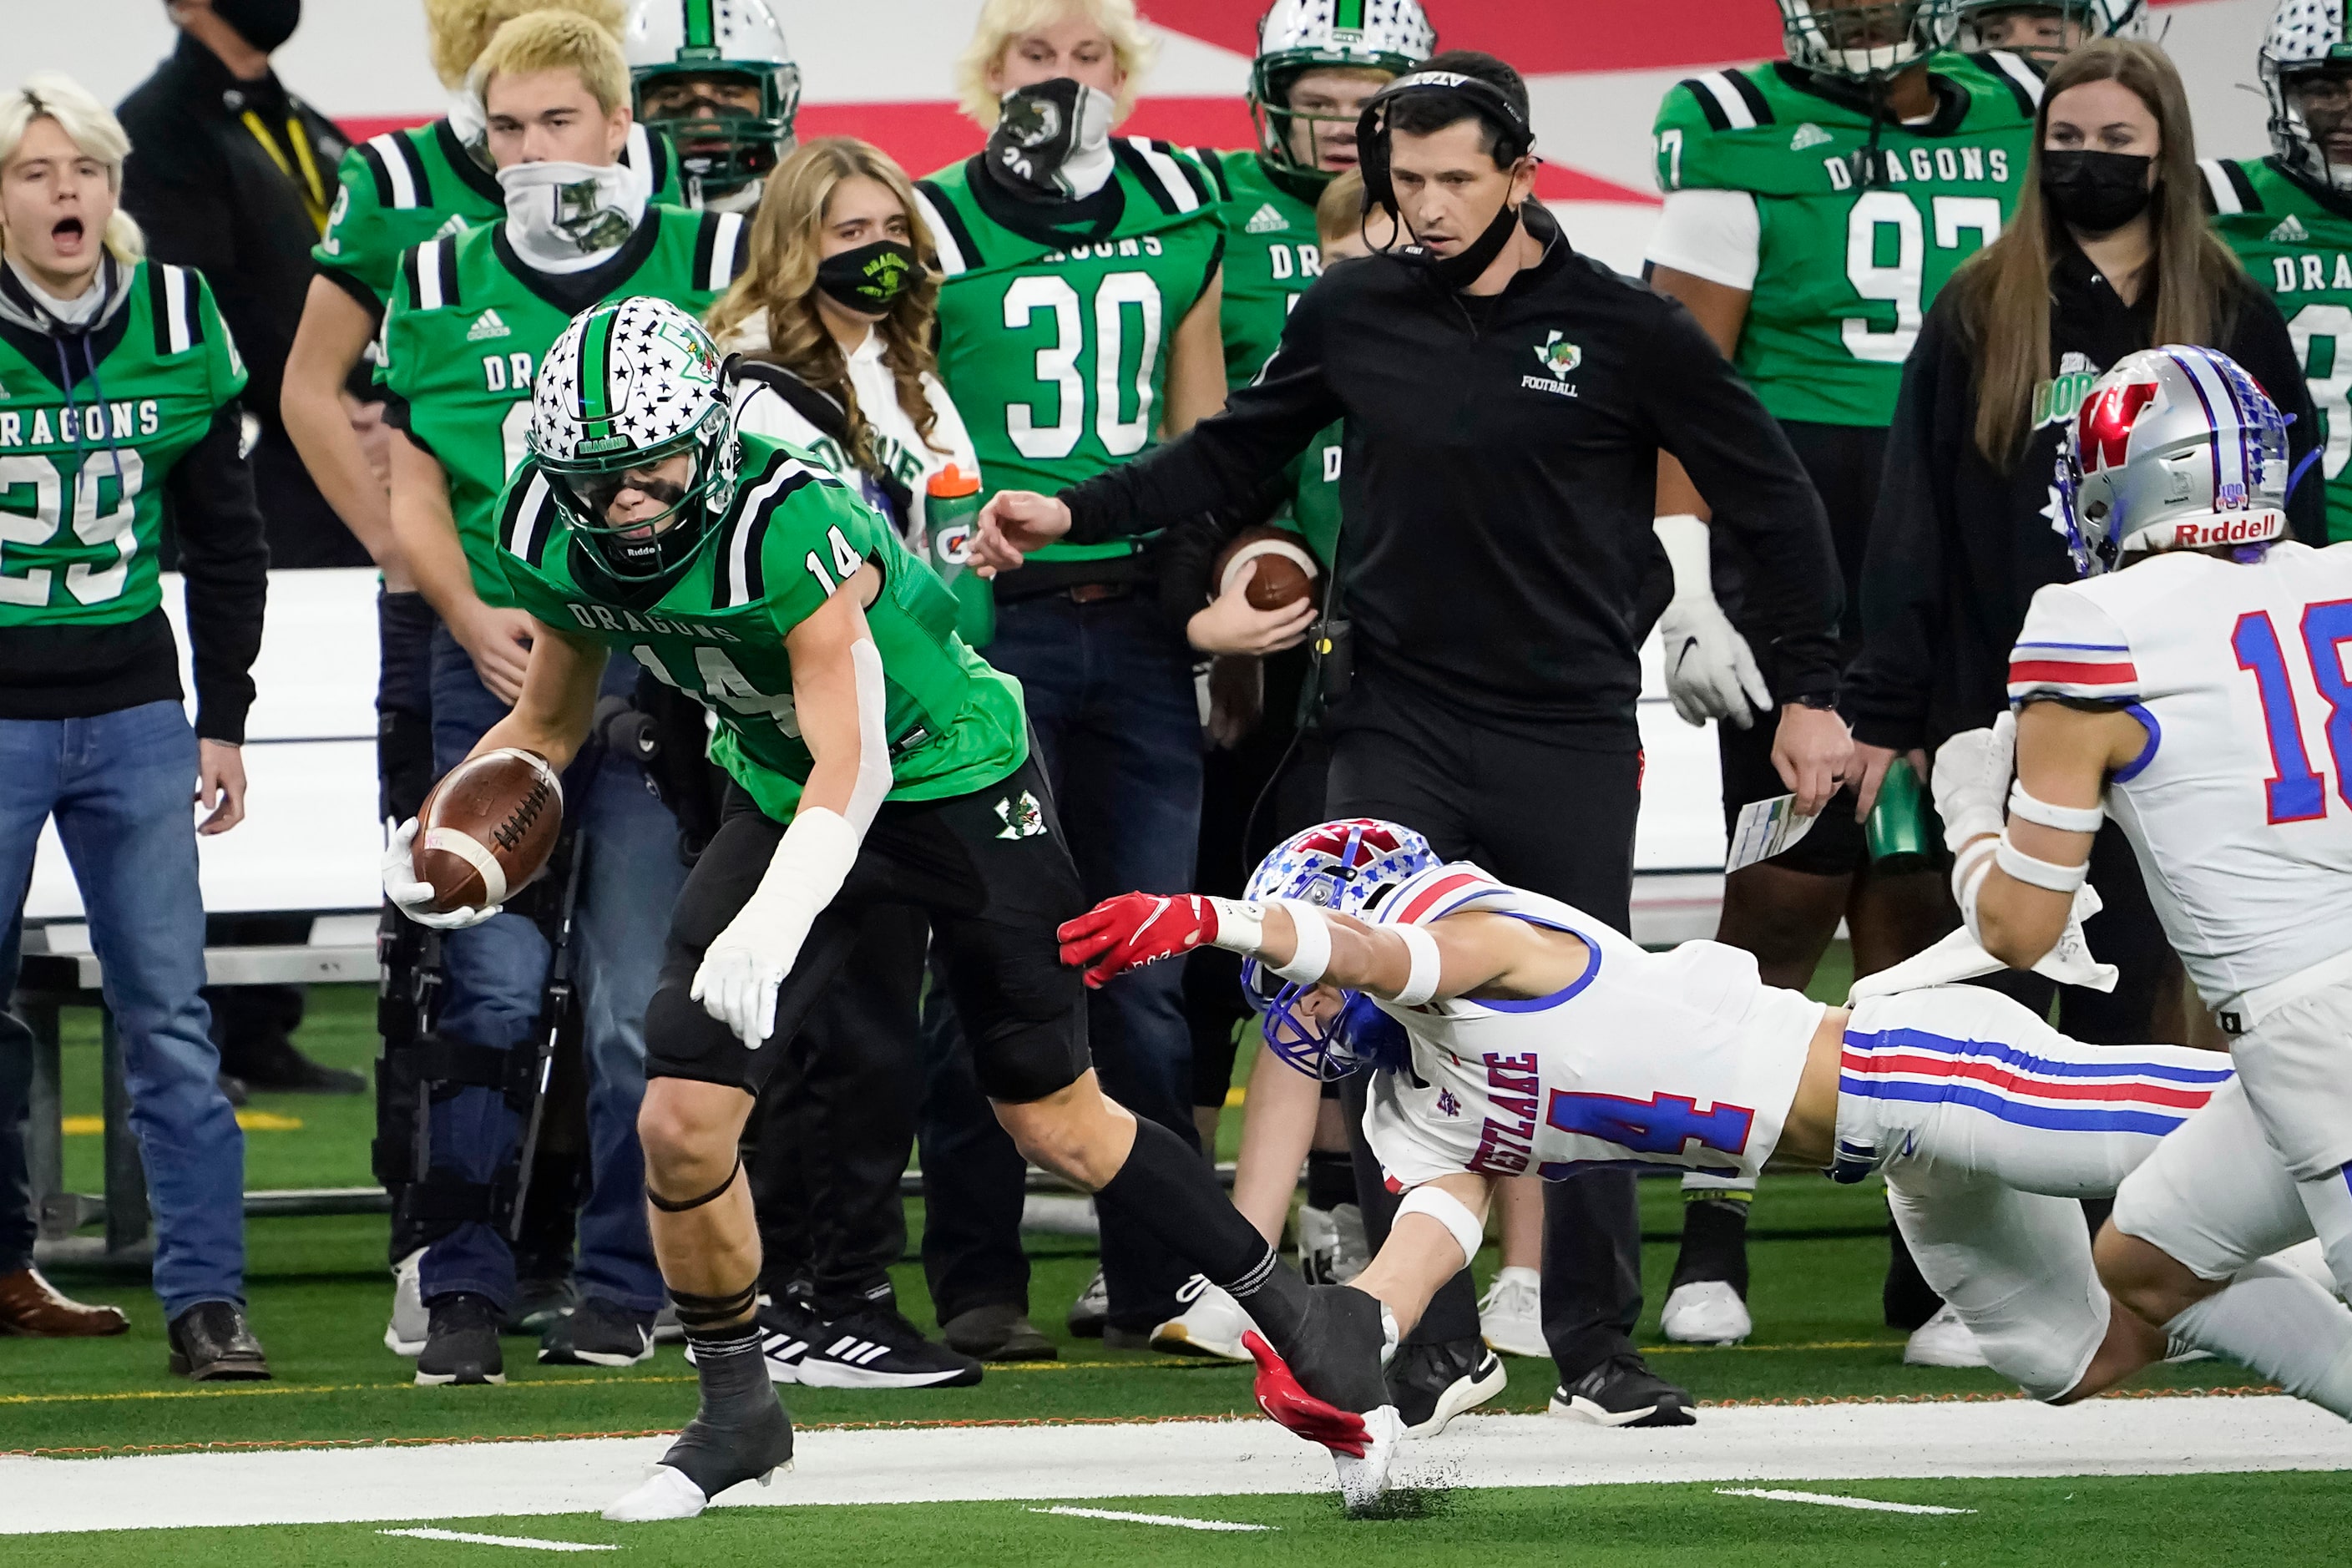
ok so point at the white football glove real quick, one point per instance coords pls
(1711, 673)
(1958, 957)
(414, 898)
(1970, 781)
(742, 969)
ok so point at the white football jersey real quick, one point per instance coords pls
(2240, 806)
(1648, 1058)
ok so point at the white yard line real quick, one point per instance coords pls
(1769, 1494)
(529, 1542)
(1749, 1445)
(1178, 1521)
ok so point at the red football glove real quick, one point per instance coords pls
(1281, 1397)
(1136, 929)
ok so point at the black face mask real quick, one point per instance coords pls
(2095, 192)
(1462, 269)
(1051, 141)
(264, 24)
(870, 279)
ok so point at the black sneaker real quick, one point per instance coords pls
(876, 1347)
(538, 1305)
(787, 1331)
(1432, 1384)
(212, 1342)
(277, 1066)
(461, 1342)
(1624, 1391)
(598, 1333)
(999, 1332)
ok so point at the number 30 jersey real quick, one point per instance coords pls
(793, 536)
(2239, 806)
(1648, 1058)
(1056, 319)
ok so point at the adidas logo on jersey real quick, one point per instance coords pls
(2291, 231)
(488, 325)
(1267, 219)
(454, 225)
(1808, 135)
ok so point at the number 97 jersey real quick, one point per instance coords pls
(1683, 1058)
(2239, 805)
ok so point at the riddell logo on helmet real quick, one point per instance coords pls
(2237, 531)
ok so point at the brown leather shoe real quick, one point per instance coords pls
(31, 1306)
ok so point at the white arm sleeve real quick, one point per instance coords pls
(1709, 234)
(873, 737)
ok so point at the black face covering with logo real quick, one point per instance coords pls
(870, 279)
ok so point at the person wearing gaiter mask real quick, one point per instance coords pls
(2109, 257)
(469, 318)
(1079, 326)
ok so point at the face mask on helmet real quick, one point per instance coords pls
(2304, 64)
(1864, 39)
(1299, 37)
(2174, 448)
(717, 77)
(2041, 31)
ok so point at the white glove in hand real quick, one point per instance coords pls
(1711, 671)
(1958, 957)
(414, 898)
(1970, 781)
(740, 971)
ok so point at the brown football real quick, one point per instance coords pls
(487, 828)
(1277, 566)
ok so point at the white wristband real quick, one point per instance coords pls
(2046, 874)
(2065, 818)
(1421, 981)
(1448, 1211)
(1313, 954)
(1240, 925)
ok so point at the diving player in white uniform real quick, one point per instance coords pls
(2201, 700)
(1512, 1032)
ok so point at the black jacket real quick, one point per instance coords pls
(210, 196)
(1958, 547)
(1502, 467)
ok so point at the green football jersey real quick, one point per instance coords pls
(466, 328)
(1849, 258)
(2298, 243)
(1054, 341)
(83, 472)
(1271, 255)
(793, 535)
(405, 187)
(1313, 511)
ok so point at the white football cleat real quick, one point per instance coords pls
(1942, 1341)
(404, 1334)
(665, 1493)
(1331, 1245)
(1363, 1480)
(1706, 1312)
(1510, 1317)
(1212, 1325)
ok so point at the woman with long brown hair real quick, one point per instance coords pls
(2108, 254)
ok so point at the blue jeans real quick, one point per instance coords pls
(493, 974)
(121, 786)
(1110, 692)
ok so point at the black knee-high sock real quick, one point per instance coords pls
(1166, 1188)
(740, 1432)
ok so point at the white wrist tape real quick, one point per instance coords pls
(1313, 955)
(1421, 982)
(1240, 925)
(1968, 874)
(810, 863)
(1685, 539)
(2065, 818)
(1449, 1211)
(2047, 874)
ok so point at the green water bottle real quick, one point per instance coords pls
(950, 511)
(1902, 834)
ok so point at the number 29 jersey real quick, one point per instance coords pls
(1056, 319)
(2239, 808)
(1681, 1058)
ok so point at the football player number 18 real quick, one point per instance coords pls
(1115, 294)
(44, 484)
(1881, 216)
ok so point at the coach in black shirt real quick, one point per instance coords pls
(1505, 400)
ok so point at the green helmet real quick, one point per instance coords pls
(724, 153)
(1296, 36)
(630, 384)
(2090, 19)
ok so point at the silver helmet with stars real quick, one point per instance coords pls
(2305, 42)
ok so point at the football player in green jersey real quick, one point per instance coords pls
(2040, 31)
(718, 77)
(2289, 218)
(876, 759)
(470, 318)
(1079, 326)
(1813, 207)
(1319, 62)
(118, 386)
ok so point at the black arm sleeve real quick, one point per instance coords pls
(226, 566)
(1187, 553)
(2260, 342)
(1703, 413)
(1222, 461)
(1904, 576)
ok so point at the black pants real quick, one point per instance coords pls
(974, 1181)
(1555, 819)
(836, 1123)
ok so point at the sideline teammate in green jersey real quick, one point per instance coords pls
(2289, 218)
(1078, 327)
(1814, 206)
(716, 77)
(470, 318)
(876, 759)
(119, 388)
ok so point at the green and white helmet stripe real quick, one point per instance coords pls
(1296, 36)
(665, 38)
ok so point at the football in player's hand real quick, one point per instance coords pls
(1272, 561)
(488, 829)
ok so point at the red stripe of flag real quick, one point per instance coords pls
(2063, 673)
(1431, 894)
(2033, 1088)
